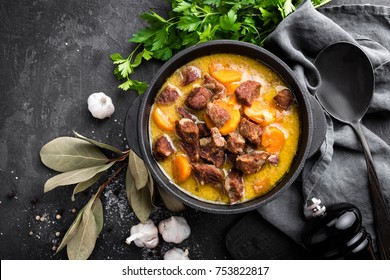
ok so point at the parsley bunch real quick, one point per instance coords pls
(194, 21)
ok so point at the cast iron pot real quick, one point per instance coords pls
(137, 122)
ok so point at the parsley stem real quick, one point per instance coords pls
(322, 3)
(132, 53)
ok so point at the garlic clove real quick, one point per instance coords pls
(144, 235)
(176, 254)
(174, 229)
(100, 105)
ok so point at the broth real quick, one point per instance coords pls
(278, 140)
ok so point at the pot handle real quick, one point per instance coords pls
(131, 126)
(319, 125)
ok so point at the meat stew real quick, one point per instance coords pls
(224, 128)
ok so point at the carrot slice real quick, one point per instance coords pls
(227, 76)
(231, 88)
(162, 120)
(230, 125)
(272, 139)
(181, 168)
(208, 121)
(260, 113)
(261, 185)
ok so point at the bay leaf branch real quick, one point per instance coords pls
(170, 202)
(138, 170)
(65, 154)
(98, 213)
(140, 200)
(71, 231)
(82, 186)
(75, 176)
(80, 247)
(98, 144)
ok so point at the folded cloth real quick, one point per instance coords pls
(338, 172)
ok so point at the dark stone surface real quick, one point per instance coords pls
(53, 55)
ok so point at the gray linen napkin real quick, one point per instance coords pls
(337, 173)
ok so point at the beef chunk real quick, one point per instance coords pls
(273, 159)
(167, 96)
(252, 162)
(190, 74)
(192, 150)
(187, 130)
(198, 98)
(247, 92)
(163, 147)
(234, 186)
(204, 131)
(186, 114)
(218, 115)
(213, 85)
(235, 143)
(209, 152)
(284, 99)
(207, 173)
(217, 138)
(231, 157)
(251, 131)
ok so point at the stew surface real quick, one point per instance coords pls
(224, 128)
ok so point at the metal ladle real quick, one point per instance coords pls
(345, 93)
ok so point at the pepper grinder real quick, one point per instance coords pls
(336, 232)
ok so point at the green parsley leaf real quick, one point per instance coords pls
(189, 23)
(153, 19)
(125, 68)
(163, 54)
(160, 38)
(182, 6)
(140, 87)
(147, 54)
(215, 3)
(194, 21)
(115, 57)
(228, 22)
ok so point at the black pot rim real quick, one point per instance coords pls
(245, 49)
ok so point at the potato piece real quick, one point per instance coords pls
(260, 113)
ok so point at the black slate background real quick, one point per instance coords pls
(53, 55)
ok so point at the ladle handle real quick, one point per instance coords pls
(380, 209)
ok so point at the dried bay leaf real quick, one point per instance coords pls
(129, 184)
(65, 154)
(83, 242)
(98, 144)
(151, 187)
(140, 200)
(71, 231)
(75, 176)
(82, 186)
(170, 202)
(138, 170)
(98, 213)
(141, 203)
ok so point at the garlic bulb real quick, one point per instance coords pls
(144, 235)
(100, 105)
(176, 254)
(174, 229)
